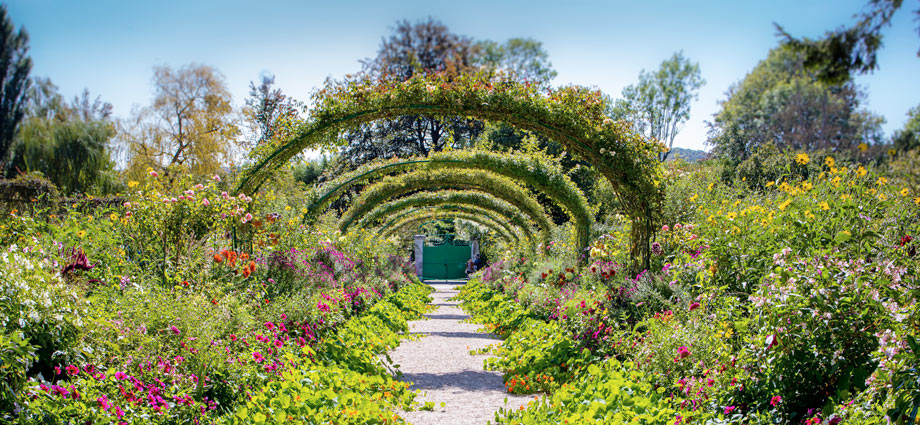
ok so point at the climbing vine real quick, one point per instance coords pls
(573, 116)
(544, 176)
(507, 212)
(500, 187)
(472, 214)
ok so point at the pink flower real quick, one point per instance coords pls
(694, 306)
(121, 375)
(269, 325)
(233, 337)
(729, 409)
(174, 330)
(103, 402)
(154, 173)
(72, 370)
(278, 343)
(225, 195)
(775, 400)
(205, 202)
(257, 356)
(665, 228)
(118, 412)
(216, 178)
(682, 353)
(677, 226)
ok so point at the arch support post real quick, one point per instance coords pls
(474, 247)
(419, 246)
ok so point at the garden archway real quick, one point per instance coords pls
(573, 116)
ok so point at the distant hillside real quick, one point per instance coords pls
(689, 155)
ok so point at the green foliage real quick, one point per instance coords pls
(908, 138)
(780, 102)
(466, 198)
(482, 181)
(15, 66)
(471, 213)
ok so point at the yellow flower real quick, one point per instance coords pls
(861, 171)
(829, 161)
(917, 200)
(872, 191)
(113, 217)
(287, 207)
(694, 197)
(710, 186)
(802, 158)
(905, 192)
(81, 233)
(785, 204)
(731, 215)
(738, 202)
(881, 181)
(863, 147)
(882, 197)
(836, 181)
(809, 215)
(844, 196)
(132, 184)
(770, 183)
(824, 205)
(711, 218)
(892, 152)
(807, 186)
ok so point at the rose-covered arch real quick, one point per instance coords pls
(573, 116)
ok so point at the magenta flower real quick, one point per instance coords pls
(729, 409)
(771, 341)
(205, 202)
(694, 306)
(269, 325)
(103, 402)
(257, 356)
(174, 330)
(121, 375)
(72, 370)
(278, 343)
(233, 337)
(776, 400)
(118, 412)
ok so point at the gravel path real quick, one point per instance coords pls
(440, 365)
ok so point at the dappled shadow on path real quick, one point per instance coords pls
(448, 316)
(469, 380)
(445, 334)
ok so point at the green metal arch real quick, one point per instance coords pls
(452, 197)
(545, 177)
(394, 186)
(503, 227)
(417, 216)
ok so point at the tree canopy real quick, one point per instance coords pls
(15, 66)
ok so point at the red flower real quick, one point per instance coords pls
(72, 370)
(775, 400)
(771, 341)
(694, 306)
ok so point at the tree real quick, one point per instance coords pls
(660, 103)
(908, 138)
(15, 66)
(780, 101)
(268, 110)
(847, 51)
(428, 47)
(190, 127)
(523, 59)
(67, 142)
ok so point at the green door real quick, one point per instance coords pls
(445, 261)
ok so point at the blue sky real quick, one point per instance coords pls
(110, 47)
